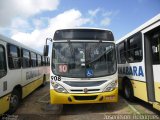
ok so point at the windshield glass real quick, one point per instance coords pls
(82, 60)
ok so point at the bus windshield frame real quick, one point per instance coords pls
(85, 53)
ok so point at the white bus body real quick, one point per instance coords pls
(22, 70)
(77, 75)
(139, 62)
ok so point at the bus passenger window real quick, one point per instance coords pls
(39, 60)
(122, 53)
(3, 69)
(33, 59)
(13, 57)
(134, 49)
(26, 58)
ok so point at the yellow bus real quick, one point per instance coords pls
(139, 63)
(83, 66)
(22, 70)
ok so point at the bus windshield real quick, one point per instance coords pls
(83, 60)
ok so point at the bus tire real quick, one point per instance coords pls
(128, 90)
(14, 101)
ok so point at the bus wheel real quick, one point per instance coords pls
(14, 101)
(44, 81)
(128, 91)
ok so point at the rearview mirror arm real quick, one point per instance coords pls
(50, 39)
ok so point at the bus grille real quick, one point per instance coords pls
(85, 97)
(84, 83)
(89, 90)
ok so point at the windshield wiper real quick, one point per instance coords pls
(89, 52)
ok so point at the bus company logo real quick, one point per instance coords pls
(131, 70)
(85, 90)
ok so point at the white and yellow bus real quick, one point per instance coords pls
(22, 70)
(83, 67)
(139, 63)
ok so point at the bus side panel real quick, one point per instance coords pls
(156, 105)
(139, 86)
(27, 89)
(4, 104)
(29, 75)
(156, 72)
(157, 91)
(7, 83)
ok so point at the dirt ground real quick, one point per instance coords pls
(36, 106)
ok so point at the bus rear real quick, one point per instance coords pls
(83, 67)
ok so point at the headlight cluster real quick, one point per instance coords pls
(111, 86)
(57, 87)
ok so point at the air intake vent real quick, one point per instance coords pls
(85, 97)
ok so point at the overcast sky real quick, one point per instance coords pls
(32, 21)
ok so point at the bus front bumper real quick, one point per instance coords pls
(72, 98)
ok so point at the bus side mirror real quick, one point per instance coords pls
(46, 50)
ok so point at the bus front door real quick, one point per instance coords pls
(155, 46)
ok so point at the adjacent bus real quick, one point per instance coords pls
(22, 70)
(83, 67)
(139, 63)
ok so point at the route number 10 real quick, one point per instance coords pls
(63, 68)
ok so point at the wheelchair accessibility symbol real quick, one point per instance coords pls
(89, 72)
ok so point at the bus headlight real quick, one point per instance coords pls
(58, 88)
(111, 86)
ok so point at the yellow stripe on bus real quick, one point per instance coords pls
(157, 91)
(139, 86)
(156, 105)
(26, 90)
(4, 103)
